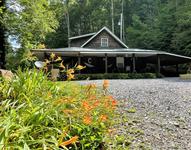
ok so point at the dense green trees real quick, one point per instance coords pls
(151, 24)
(28, 22)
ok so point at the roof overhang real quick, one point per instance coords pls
(166, 58)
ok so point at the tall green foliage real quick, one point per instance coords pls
(152, 24)
(30, 21)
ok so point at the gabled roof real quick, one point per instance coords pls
(108, 31)
(81, 36)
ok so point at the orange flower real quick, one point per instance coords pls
(52, 55)
(70, 76)
(86, 106)
(58, 59)
(96, 103)
(92, 97)
(105, 84)
(79, 67)
(87, 120)
(103, 117)
(114, 103)
(110, 97)
(106, 104)
(61, 65)
(70, 71)
(70, 141)
(47, 61)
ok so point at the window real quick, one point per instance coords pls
(104, 42)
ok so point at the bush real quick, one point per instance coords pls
(39, 114)
(115, 76)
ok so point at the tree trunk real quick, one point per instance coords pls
(112, 16)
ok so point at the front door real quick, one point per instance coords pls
(120, 63)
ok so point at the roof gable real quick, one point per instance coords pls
(109, 32)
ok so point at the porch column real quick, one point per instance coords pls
(106, 65)
(158, 64)
(79, 61)
(133, 59)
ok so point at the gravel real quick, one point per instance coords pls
(163, 107)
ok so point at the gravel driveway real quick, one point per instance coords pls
(163, 107)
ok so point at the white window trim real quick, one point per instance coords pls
(107, 45)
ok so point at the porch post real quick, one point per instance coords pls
(134, 67)
(79, 61)
(158, 64)
(106, 65)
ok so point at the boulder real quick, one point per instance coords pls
(6, 74)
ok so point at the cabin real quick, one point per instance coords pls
(104, 52)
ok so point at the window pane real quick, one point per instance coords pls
(104, 42)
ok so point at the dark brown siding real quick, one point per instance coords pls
(79, 42)
(96, 42)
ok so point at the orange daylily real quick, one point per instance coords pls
(105, 84)
(58, 59)
(69, 71)
(87, 120)
(114, 103)
(103, 117)
(52, 55)
(70, 76)
(70, 141)
(47, 61)
(61, 65)
(80, 67)
(86, 106)
(96, 103)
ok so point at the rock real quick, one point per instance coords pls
(6, 74)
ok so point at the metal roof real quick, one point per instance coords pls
(101, 50)
(81, 36)
(79, 50)
(113, 35)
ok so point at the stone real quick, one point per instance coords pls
(6, 74)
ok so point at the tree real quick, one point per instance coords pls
(29, 22)
(2, 36)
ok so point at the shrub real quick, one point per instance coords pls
(39, 114)
(115, 76)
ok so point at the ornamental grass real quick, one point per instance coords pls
(40, 114)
